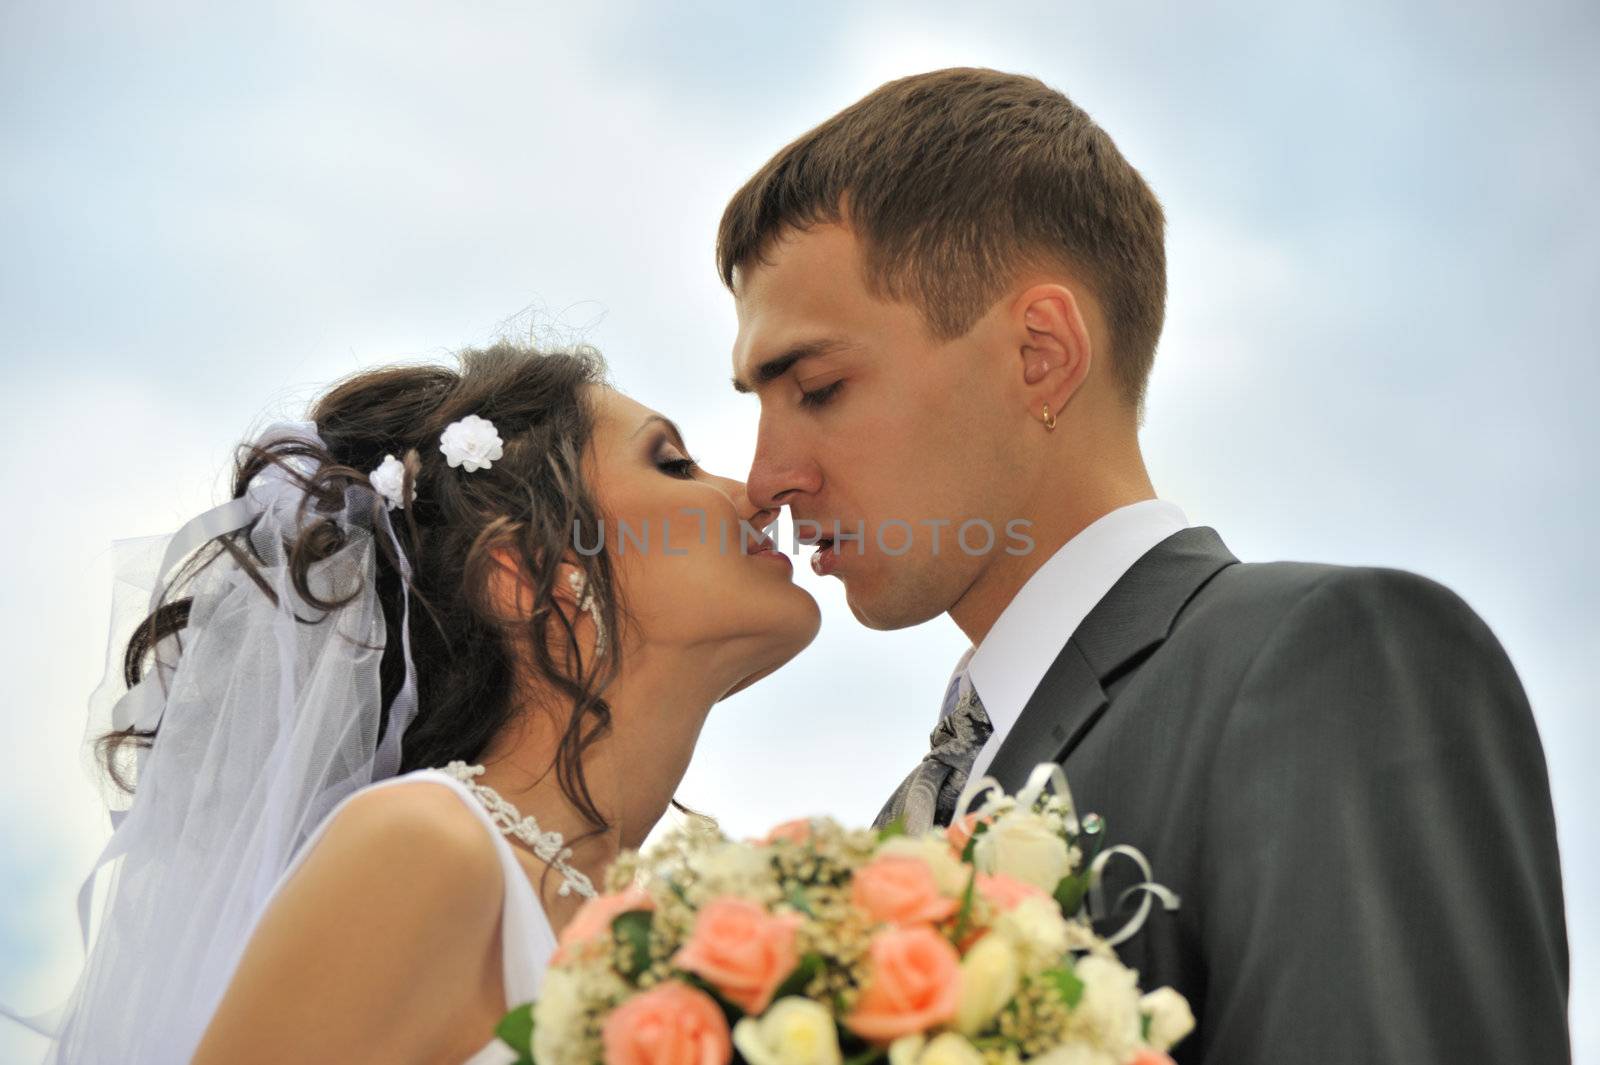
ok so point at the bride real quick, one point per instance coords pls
(447, 652)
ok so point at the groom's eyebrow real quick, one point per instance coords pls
(777, 366)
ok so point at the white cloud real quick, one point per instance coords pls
(1380, 343)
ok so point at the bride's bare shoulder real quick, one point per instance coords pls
(386, 926)
(418, 831)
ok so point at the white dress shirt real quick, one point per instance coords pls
(1025, 639)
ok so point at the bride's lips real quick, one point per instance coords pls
(765, 548)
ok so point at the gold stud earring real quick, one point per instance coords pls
(1049, 419)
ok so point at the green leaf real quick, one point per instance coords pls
(632, 930)
(1069, 893)
(894, 828)
(867, 1057)
(731, 1013)
(795, 984)
(972, 844)
(1144, 1027)
(516, 1029)
(1066, 984)
(964, 914)
(796, 897)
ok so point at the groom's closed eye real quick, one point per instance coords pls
(819, 397)
(774, 368)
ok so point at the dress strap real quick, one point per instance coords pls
(527, 940)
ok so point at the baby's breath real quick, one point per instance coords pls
(810, 871)
(1036, 1020)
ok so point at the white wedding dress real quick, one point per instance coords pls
(527, 941)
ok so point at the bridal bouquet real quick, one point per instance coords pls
(823, 945)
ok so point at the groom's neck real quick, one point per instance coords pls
(1063, 505)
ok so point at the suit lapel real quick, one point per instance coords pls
(1123, 629)
(1067, 702)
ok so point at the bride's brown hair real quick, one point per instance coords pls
(531, 503)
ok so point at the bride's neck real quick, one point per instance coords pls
(630, 773)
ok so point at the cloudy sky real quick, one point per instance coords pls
(1380, 345)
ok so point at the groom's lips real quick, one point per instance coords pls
(825, 560)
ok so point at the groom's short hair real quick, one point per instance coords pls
(954, 181)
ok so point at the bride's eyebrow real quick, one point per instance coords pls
(677, 435)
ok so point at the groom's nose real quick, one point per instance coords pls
(782, 468)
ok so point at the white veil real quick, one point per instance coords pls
(269, 710)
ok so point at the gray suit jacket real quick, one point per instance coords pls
(1338, 772)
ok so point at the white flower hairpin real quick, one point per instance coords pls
(389, 480)
(471, 442)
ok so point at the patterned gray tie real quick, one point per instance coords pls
(928, 796)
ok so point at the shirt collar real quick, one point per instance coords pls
(1012, 659)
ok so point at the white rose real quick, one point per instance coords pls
(946, 1049)
(1037, 930)
(793, 1031)
(1109, 1010)
(1170, 1017)
(1073, 1054)
(904, 1051)
(989, 979)
(949, 872)
(738, 870)
(1024, 845)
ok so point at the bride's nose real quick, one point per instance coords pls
(739, 493)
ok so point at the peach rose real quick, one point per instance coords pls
(960, 833)
(790, 832)
(671, 1024)
(899, 890)
(1149, 1057)
(913, 984)
(1005, 892)
(742, 950)
(593, 919)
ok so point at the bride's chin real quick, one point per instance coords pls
(807, 619)
(789, 634)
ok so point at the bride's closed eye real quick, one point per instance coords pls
(684, 467)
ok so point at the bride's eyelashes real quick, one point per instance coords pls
(820, 397)
(684, 467)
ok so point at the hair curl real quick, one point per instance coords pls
(528, 503)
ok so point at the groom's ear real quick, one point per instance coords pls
(1054, 349)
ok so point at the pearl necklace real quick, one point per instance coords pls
(549, 846)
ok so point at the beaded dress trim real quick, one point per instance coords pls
(549, 846)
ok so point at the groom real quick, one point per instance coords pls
(949, 297)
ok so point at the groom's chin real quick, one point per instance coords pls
(886, 609)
